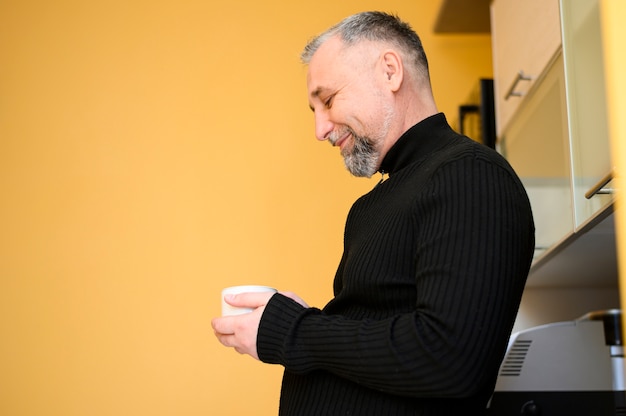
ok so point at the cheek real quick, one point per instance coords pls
(364, 114)
(357, 115)
(372, 122)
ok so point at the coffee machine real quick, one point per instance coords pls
(573, 368)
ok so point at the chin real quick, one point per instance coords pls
(360, 171)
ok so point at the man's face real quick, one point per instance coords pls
(350, 109)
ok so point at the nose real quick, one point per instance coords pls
(323, 125)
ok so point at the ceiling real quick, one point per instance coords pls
(463, 16)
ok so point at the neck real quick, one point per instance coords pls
(420, 104)
(412, 106)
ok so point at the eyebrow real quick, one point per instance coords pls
(316, 92)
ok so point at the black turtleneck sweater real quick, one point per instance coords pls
(434, 264)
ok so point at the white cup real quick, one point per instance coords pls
(228, 310)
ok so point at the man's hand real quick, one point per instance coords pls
(240, 331)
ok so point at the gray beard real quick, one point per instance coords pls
(362, 161)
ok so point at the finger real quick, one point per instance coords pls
(223, 326)
(226, 340)
(249, 299)
(231, 341)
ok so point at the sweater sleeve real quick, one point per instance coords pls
(475, 246)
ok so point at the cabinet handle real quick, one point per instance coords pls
(599, 188)
(519, 77)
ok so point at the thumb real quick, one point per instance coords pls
(248, 299)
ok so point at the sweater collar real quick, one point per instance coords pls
(417, 142)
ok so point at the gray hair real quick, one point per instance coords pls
(375, 26)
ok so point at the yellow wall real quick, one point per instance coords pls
(614, 33)
(151, 153)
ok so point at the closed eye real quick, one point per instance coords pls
(328, 103)
(318, 95)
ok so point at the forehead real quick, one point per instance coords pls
(326, 67)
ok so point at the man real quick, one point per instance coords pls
(435, 257)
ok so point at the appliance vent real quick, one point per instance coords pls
(512, 365)
(620, 411)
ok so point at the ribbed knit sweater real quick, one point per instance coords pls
(434, 264)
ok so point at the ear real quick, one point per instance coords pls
(393, 69)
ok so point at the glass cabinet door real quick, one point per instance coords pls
(536, 144)
(586, 105)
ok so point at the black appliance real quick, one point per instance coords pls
(477, 118)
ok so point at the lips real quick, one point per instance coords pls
(340, 142)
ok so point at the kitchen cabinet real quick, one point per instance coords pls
(525, 37)
(536, 145)
(587, 113)
(556, 138)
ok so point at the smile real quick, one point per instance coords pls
(340, 142)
